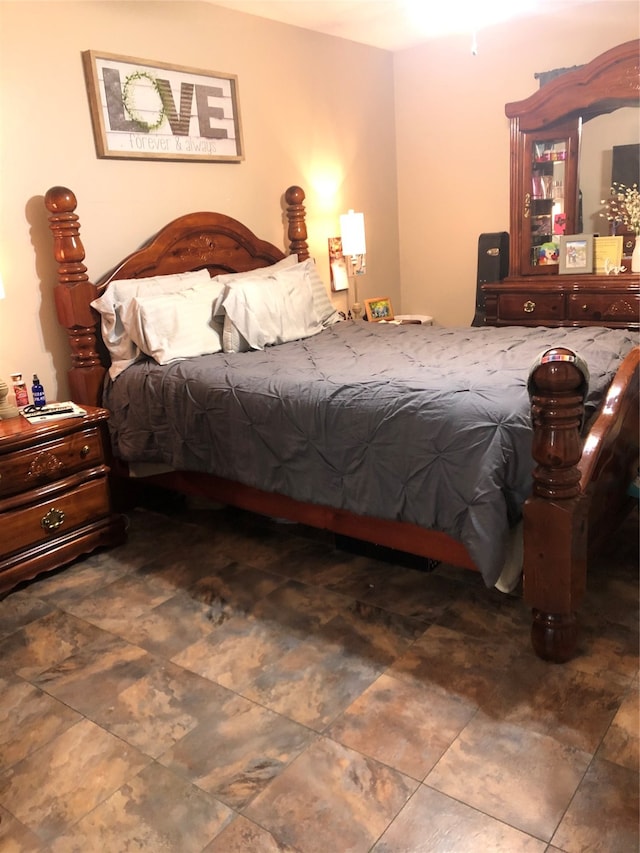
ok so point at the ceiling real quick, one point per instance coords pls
(397, 24)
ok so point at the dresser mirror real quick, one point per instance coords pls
(619, 131)
(562, 142)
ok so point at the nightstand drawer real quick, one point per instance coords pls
(45, 520)
(51, 460)
(604, 307)
(530, 308)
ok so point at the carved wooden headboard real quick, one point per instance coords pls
(211, 241)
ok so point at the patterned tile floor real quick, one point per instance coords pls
(223, 684)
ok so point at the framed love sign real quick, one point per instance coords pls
(153, 111)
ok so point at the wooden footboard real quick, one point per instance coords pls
(580, 492)
(555, 516)
(610, 454)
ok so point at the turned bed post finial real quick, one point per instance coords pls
(297, 231)
(555, 566)
(73, 293)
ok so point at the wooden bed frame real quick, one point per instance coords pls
(580, 487)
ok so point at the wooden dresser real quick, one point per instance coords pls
(55, 501)
(564, 300)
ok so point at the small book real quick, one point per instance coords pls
(52, 412)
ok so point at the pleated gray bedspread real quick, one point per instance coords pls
(426, 425)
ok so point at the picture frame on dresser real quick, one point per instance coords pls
(607, 255)
(576, 254)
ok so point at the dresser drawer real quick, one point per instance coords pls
(45, 520)
(531, 308)
(51, 460)
(621, 308)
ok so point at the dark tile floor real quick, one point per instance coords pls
(221, 684)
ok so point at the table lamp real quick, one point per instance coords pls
(354, 247)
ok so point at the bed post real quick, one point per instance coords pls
(73, 293)
(555, 516)
(297, 231)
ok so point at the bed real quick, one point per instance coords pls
(428, 440)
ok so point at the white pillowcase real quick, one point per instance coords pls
(178, 325)
(115, 300)
(285, 263)
(269, 310)
(326, 312)
(232, 340)
(231, 278)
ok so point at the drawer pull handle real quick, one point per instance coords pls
(585, 307)
(529, 307)
(52, 519)
(45, 466)
(85, 451)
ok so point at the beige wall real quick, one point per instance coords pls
(316, 111)
(453, 140)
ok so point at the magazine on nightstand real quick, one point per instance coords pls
(52, 412)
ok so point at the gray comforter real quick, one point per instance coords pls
(427, 425)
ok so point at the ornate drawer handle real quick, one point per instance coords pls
(529, 307)
(85, 451)
(45, 464)
(53, 519)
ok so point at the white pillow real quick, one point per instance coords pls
(326, 312)
(232, 340)
(115, 300)
(285, 263)
(262, 272)
(170, 326)
(269, 310)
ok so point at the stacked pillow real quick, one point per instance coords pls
(114, 303)
(264, 311)
(168, 326)
(188, 314)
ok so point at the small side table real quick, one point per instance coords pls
(55, 500)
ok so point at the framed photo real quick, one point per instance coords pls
(145, 110)
(607, 255)
(337, 265)
(378, 309)
(576, 253)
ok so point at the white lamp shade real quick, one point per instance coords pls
(352, 233)
(1, 289)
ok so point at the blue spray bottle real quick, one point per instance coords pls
(37, 391)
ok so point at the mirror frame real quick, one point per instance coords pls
(608, 82)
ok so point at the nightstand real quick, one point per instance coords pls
(55, 502)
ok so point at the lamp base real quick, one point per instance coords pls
(7, 411)
(356, 310)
